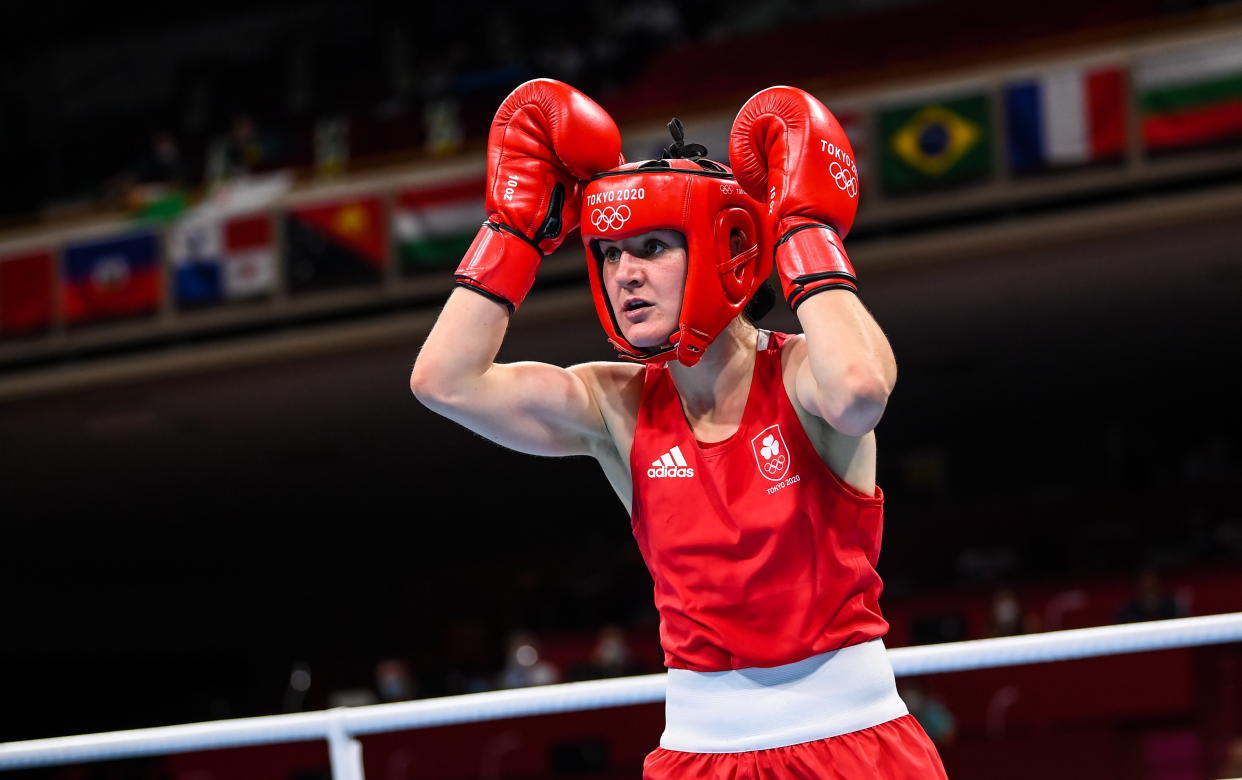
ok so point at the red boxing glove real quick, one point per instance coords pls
(789, 150)
(546, 139)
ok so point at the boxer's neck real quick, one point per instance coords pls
(717, 386)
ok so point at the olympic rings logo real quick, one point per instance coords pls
(610, 218)
(844, 179)
(776, 465)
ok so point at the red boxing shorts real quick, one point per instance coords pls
(898, 749)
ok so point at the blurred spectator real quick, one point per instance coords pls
(611, 657)
(1007, 617)
(1151, 601)
(162, 163)
(155, 185)
(929, 711)
(523, 667)
(246, 149)
(245, 152)
(331, 146)
(393, 680)
(442, 124)
(295, 690)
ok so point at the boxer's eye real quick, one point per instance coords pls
(612, 254)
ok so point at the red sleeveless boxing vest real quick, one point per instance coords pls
(761, 555)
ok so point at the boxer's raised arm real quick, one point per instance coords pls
(789, 150)
(535, 408)
(546, 138)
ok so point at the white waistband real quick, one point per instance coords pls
(756, 709)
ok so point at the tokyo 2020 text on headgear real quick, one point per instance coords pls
(686, 192)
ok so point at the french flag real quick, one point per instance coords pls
(1066, 117)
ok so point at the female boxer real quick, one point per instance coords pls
(746, 458)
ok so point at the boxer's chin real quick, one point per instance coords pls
(646, 335)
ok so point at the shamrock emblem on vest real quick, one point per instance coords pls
(771, 454)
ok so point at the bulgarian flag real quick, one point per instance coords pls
(1066, 117)
(1191, 96)
(434, 225)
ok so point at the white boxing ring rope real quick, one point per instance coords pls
(339, 726)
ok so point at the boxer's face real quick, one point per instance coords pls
(645, 276)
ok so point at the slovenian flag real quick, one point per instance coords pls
(1066, 117)
(118, 276)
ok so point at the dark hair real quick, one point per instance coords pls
(760, 303)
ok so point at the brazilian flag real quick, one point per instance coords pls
(932, 145)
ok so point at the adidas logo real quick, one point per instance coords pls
(670, 464)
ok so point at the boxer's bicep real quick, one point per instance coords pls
(536, 408)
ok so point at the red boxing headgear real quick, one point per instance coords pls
(701, 199)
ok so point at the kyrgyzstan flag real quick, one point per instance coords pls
(118, 276)
(1066, 117)
(335, 244)
(26, 292)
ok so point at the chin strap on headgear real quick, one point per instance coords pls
(698, 197)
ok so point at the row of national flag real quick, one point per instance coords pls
(242, 244)
(1064, 117)
(236, 251)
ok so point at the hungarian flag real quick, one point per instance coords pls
(1191, 96)
(112, 277)
(1066, 117)
(933, 144)
(335, 244)
(26, 292)
(217, 260)
(434, 225)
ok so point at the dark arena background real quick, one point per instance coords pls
(226, 229)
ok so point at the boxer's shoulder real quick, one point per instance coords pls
(852, 458)
(617, 389)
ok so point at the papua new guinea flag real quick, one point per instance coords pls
(25, 292)
(1066, 117)
(935, 143)
(335, 244)
(112, 277)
